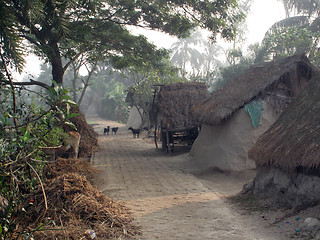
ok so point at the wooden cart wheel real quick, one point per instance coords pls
(155, 134)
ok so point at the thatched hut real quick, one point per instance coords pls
(235, 116)
(288, 154)
(174, 103)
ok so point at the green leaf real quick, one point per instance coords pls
(8, 115)
(26, 136)
(71, 115)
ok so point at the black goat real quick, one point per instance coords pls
(135, 132)
(114, 130)
(106, 130)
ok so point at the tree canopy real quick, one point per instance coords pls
(298, 33)
(65, 29)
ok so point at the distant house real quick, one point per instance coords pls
(288, 154)
(235, 116)
(173, 106)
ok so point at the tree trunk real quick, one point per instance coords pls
(56, 63)
(74, 82)
(86, 83)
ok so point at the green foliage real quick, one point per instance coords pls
(144, 80)
(296, 34)
(229, 73)
(98, 30)
(20, 155)
(239, 63)
(107, 91)
(59, 101)
(10, 43)
(302, 7)
(113, 102)
(292, 40)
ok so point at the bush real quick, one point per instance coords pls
(24, 127)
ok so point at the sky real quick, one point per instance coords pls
(263, 14)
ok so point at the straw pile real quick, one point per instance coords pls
(176, 100)
(75, 207)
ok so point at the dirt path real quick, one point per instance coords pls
(166, 199)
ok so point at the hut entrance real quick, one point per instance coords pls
(172, 104)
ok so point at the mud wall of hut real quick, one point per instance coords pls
(225, 145)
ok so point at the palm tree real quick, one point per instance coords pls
(185, 52)
(11, 50)
(298, 33)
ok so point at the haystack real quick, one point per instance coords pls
(174, 103)
(288, 154)
(235, 116)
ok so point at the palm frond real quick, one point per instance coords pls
(310, 7)
(297, 21)
(10, 43)
(315, 25)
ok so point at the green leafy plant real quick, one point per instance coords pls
(21, 160)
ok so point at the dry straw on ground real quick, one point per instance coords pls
(75, 206)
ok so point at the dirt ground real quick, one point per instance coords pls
(171, 198)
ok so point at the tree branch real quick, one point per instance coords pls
(14, 100)
(43, 192)
(86, 83)
(71, 61)
(31, 83)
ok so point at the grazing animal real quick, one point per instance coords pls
(106, 130)
(74, 143)
(114, 130)
(135, 132)
(71, 150)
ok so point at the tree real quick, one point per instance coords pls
(185, 52)
(144, 80)
(60, 28)
(107, 93)
(292, 40)
(309, 7)
(296, 34)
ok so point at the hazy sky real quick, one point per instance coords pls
(263, 14)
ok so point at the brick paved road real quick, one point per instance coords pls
(168, 202)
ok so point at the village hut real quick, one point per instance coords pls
(173, 104)
(236, 115)
(134, 119)
(288, 154)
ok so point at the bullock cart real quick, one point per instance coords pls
(175, 124)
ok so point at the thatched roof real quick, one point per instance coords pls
(255, 83)
(174, 102)
(293, 142)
